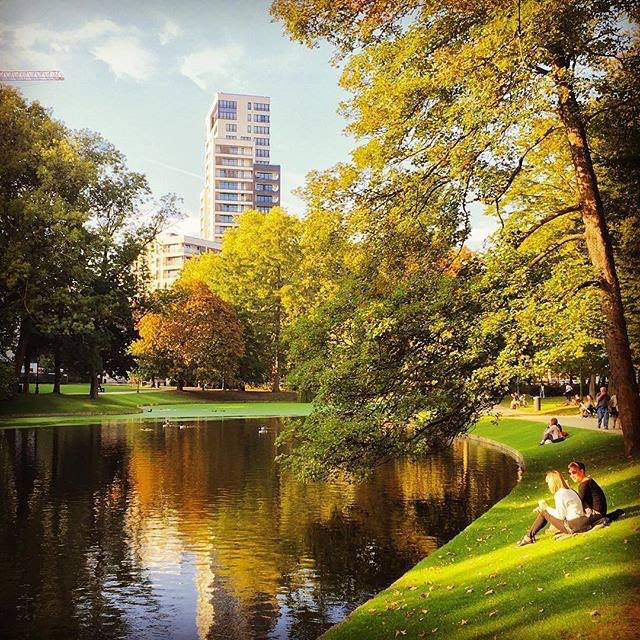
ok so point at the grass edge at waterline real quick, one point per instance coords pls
(479, 585)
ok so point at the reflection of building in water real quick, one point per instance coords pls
(262, 545)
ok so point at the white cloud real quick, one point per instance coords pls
(36, 46)
(214, 66)
(126, 56)
(170, 31)
(35, 36)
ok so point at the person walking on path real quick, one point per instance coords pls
(602, 408)
(613, 410)
(568, 392)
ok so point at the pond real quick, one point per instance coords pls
(123, 531)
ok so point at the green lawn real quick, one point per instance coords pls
(480, 585)
(171, 412)
(557, 405)
(120, 404)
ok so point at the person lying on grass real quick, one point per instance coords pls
(568, 515)
(553, 433)
(594, 502)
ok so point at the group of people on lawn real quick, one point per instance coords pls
(575, 511)
(603, 407)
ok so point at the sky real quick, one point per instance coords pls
(143, 74)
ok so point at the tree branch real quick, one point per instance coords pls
(571, 238)
(587, 284)
(518, 168)
(545, 220)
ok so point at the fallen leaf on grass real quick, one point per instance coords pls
(595, 612)
(463, 622)
(493, 575)
(539, 588)
(450, 587)
(401, 632)
(413, 588)
(488, 592)
(541, 610)
(492, 613)
(469, 590)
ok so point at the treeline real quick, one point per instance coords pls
(530, 110)
(226, 320)
(74, 220)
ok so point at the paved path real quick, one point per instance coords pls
(565, 421)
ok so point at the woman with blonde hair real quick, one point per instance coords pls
(568, 516)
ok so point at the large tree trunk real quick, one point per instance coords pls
(601, 256)
(56, 368)
(93, 389)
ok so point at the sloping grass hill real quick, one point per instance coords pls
(480, 585)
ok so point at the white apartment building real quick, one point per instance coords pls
(168, 253)
(238, 170)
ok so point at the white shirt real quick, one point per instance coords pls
(568, 505)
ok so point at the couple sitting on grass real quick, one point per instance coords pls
(575, 512)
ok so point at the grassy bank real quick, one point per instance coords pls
(480, 585)
(44, 405)
(171, 412)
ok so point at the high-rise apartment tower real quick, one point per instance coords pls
(238, 174)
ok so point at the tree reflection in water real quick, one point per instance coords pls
(111, 532)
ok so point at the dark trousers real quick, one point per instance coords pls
(541, 522)
(580, 524)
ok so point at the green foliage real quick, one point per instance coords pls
(195, 337)
(454, 103)
(257, 272)
(397, 375)
(71, 233)
(7, 381)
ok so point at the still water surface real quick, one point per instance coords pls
(117, 532)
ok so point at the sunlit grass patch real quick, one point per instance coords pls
(480, 585)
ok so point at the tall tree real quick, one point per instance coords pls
(256, 272)
(451, 89)
(73, 226)
(43, 178)
(196, 336)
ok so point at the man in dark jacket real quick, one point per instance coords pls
(593, 499)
